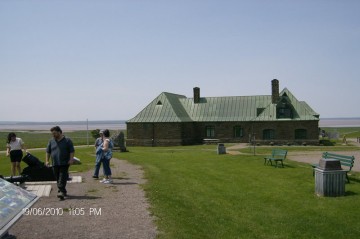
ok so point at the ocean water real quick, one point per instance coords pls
(121, 125)
(339, 122)
(65, 126)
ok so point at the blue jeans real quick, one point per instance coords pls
(106, 166)
(97, 168)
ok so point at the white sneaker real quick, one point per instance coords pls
(108, 181)
(103, 180)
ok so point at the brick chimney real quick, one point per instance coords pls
(274, 91)
(196, 95)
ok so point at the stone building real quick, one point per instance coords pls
(172, 119)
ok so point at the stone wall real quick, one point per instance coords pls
(154, 134)
(167, 134)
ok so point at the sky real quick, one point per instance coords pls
(108, 59)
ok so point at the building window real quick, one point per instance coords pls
(284, 110)
(259, 111)
(268, 134)
(210, 131)
(238, 132)
(284, 113)
(300, 134)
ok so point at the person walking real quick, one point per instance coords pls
(98, 142)
(14, 148)
(61, 151)
(105, 152)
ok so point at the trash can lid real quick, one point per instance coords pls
(329, 164)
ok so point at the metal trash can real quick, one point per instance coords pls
(330, 178)
(221, 149)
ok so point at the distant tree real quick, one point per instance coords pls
(95, 133)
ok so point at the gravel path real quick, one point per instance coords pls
(315, 156)
(310, 157)
(123, 208)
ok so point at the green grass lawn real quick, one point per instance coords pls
(85, 154)
(39, 139)
(195, 193)
(350, 132)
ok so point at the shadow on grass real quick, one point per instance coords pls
(280, 167)
(350, 193)
(354, 180)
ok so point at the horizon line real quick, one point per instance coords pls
(123, 121)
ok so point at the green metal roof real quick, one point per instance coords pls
(168, 107)
(235, 108)
(164, 108)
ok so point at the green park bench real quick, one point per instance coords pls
(277, 155)
(347, 162)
